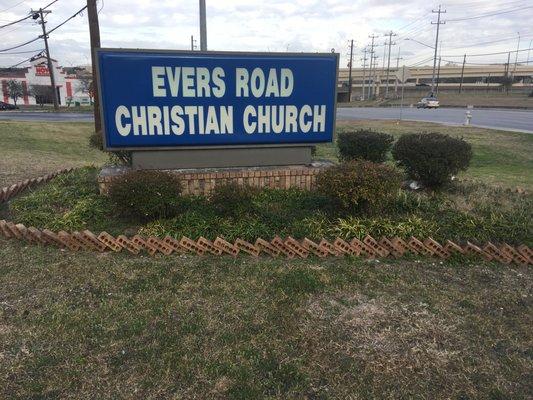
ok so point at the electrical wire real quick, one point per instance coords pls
(488, 14)
(65, 21)
(22, 44)
(21, 52)
(9, 8)
(28, 59)
(24, 18)
(50, 31)
(14, 22)
(488, 54)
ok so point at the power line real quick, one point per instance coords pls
(68, 19)
(50, 31)
(14, 22)
(9, 8)
(20, 45)
(28, 59)
(489, 54)
(20, 52)
(24, 18)
(489, 14)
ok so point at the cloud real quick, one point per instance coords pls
(276, 25)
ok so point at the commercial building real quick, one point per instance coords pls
(71, 83)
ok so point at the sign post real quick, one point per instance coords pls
(182, 109)
(402, 74)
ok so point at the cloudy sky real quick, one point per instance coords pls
(472, 27)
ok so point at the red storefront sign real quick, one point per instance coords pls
(41, 70)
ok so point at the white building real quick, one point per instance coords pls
(66, 79)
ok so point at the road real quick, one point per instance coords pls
(512, 120)
(46, 116)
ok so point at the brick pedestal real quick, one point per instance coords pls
(202, 181)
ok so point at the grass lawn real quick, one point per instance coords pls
(500, 157)
(110, 326)
(31, 149)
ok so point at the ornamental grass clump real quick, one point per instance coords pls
(360, 185)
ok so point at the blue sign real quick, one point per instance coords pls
(163, 99)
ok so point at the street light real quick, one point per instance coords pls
(423, 44)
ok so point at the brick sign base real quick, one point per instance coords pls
(202, 181)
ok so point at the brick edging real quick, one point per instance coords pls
(369, 247)
(8, 192)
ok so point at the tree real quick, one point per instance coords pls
(42, 93)
(85, 85)
(15, 90)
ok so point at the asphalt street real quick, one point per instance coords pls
(46, 116)
(514, 120)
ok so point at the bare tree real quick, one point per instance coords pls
(15, 90)
(85, 85)
(42, 93)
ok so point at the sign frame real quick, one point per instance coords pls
(107, 147)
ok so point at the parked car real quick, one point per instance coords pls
(428, 102)
(7, 106)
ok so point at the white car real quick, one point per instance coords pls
(428, 102)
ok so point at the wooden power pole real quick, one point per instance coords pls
(350, 72)
(94, 32)
(51, 71)
(462, 75)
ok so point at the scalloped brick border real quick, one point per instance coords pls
(289, 247)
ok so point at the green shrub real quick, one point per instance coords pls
(232, 199)
(146, 195)
(360, 185)
(432, 158)
(364, 144)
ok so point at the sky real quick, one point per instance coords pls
(275, 25)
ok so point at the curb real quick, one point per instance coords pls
(369, 247)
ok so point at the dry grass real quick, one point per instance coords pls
(112, 326)
(31, 149)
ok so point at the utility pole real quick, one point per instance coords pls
(40, 13)
(516, 56)
(364, 72)
(438, 23)
(203, 27)
(507, 65)
(462, 75)
(350, 72)
(193, 46)
(390, 35)
(94, 33)
(370, 75)
(398, 58)
(438, 77)
(507, 71)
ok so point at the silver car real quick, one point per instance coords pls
(428, 102)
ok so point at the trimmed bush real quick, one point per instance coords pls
(432, 158)
(359, 184)
(146, 195)
(364, 144)
(232, 199)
